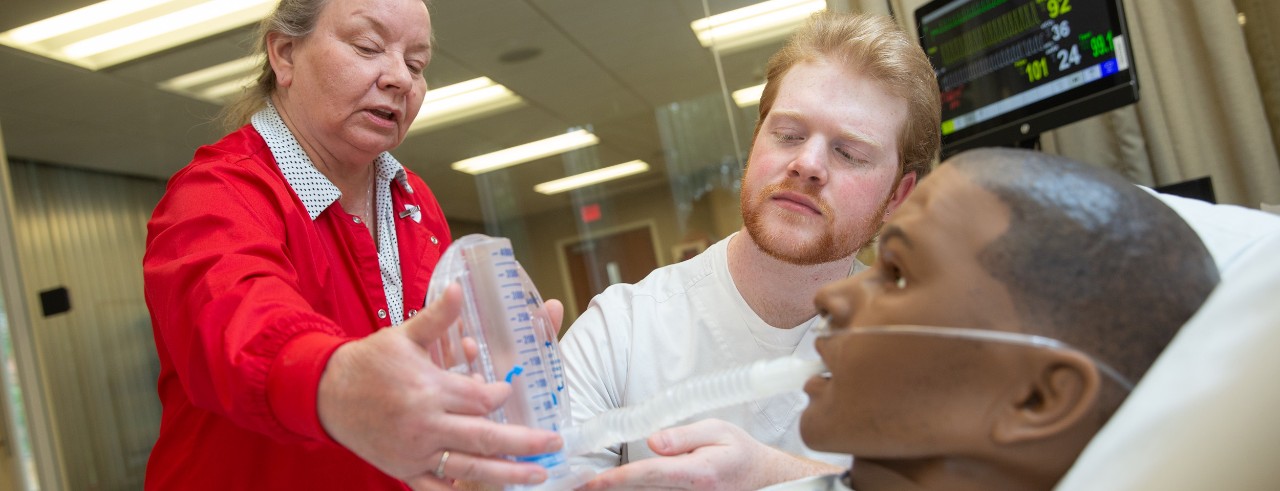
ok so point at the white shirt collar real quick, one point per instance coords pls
(315, 190)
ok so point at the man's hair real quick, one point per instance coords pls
(876, 47)
(293, 18)
(1089, 258)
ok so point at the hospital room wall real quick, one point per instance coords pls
(84, 232)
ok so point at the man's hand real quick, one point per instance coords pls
(709, 454)
(384, 399)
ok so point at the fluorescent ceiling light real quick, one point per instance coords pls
(461, 102)
(593, 177)
(224, 91)
(446, 105)
(749, 96)
(527, 152)
(217, 83)
(755, 25)
(79, 19)
(116, 31)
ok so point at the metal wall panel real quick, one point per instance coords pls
(86, 231)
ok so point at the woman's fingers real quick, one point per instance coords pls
(478, 436)
(433, 322)
(493, 470)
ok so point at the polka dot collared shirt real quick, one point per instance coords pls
(317, 193)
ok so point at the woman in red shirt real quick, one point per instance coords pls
(284, 271)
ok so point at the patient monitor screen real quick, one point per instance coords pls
(1010, 69)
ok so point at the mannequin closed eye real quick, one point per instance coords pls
(890, 272)
(888, 260)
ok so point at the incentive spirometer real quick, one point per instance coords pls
(503, 313)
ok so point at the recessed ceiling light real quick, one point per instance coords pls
(217, 83)
(115, 31)
(464, 101)
(755, 25)
(527, 152)
(592, 177)
(749, 96)
(446, 105)
(82, 18)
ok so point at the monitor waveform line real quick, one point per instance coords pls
(965, 15)
(989, 34)
(996, 61)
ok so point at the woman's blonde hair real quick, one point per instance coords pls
(293, 18)
(874, 46)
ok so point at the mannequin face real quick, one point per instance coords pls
(898, 395)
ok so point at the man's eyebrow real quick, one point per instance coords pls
(845, 132)
(895, 232)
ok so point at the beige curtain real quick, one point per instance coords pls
(1202, 109)
(1260, 19)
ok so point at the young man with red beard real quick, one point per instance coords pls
(849, 122)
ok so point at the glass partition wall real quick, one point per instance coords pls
(22, 404)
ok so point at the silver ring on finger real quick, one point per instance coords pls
(444, 457)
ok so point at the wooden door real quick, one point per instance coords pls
(626, 256)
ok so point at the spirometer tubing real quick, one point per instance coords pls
(758, 380)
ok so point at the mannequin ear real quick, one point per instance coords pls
(1062, 391)
(280, 54)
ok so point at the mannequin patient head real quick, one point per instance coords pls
(1008, 241)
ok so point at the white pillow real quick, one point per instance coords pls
(1207, 414)
(1228, 231)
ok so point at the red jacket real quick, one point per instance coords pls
(249, 297)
